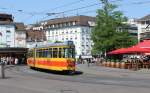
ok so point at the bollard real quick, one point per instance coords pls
(2, 70)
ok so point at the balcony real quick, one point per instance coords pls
(145, 30)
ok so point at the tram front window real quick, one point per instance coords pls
(69, 53)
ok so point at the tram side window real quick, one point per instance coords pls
(37, 53)
(45, 53)
(30, 54)
(40, 53)
(50, 53)
(55, 52)
(65, 53)
(60, 54)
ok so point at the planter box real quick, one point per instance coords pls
(122, 65)
(117, 64)
(113, 64)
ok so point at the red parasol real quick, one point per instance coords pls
(130, 50)
(144, 44)
(136, 49)
(117, 51)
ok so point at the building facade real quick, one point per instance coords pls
(144, 28)
(35, 37)
(12, 39)
(76, 29)
(20, 35)
(11, 34)
(7, 34)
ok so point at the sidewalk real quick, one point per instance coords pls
(113, 72)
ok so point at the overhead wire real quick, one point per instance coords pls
(70, 10)
(79, 8)
(48, 14)
(87, 6)
(66, 5)
(32, 14)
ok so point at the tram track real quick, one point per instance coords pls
(85, 78)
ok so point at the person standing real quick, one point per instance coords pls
(88, 61)
(16, 61)
(80, 59)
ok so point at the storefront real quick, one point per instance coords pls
(19, 53)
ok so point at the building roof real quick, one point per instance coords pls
(6, 17)
(80, 20)
(19, 26)
(145, 18)
(37, 35)
(6, 23)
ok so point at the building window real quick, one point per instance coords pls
(53, 26)
(82, 53)
(48, 32)
(8, 31)
(87, 31)
(60, 25)
(8, 45)
(66, 32)
(64, 24)
(56, 25)
(83, 30)
(69, 24)
(82, 38)
(7, 36)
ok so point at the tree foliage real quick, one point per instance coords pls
(108, 34)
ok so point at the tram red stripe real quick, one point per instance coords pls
(52, 63)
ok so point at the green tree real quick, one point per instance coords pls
(108, 34)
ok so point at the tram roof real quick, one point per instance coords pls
(67, 43)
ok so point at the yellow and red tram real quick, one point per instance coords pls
(53, 56)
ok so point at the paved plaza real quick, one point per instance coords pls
(95, 79)
(114, 72)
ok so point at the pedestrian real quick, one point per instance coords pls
(88, 61)
(80, 59)
(16, 61)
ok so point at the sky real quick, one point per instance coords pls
(32, 11)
